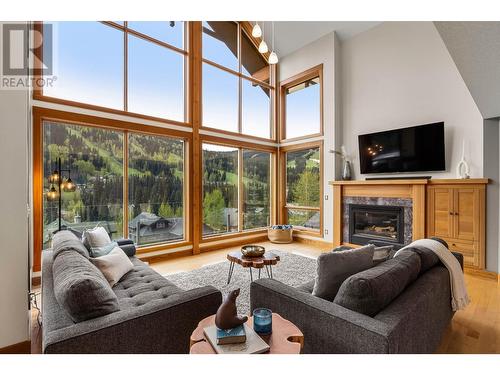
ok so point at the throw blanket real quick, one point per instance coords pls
(459, 296)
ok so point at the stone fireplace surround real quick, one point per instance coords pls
(407, 193)
(406, 203)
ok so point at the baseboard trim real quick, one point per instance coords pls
(323, 245)
(166, 256)
(19, 348)
(482, 273)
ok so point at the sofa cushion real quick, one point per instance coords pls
(80, 288)
(428, 258)
(370, 291)
(96, 237)
(333, 268)
(65, 240)
(113, 265)
(142, 285)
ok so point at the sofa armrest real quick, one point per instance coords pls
(127, 246)
(327, 327)
(159, 326)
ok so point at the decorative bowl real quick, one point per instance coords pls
(253, 250)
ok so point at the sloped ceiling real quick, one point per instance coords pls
(475, 49)
(290, 36)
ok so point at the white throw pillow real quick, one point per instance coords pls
(97, 237)
(113, 265)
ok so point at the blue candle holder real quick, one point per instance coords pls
(263, 321)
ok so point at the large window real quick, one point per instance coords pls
(301, 103)
(236, 189)
(237, 92)
(155, 189)
(302, 195)
(89, 64)
(91, 61)
(94, 156)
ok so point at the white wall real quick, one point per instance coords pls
(400, 74)
(322, 51)
(14, 320)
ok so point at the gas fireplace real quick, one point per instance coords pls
(384, 224)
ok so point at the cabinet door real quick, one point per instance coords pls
(466, 213)
(441, 218)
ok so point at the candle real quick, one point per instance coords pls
(263, 321)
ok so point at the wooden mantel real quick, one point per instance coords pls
(414, 189)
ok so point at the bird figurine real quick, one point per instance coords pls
(227, 314)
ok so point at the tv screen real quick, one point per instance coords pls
(414, 149)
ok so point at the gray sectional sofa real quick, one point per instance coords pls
(153, 315)
(412, 322)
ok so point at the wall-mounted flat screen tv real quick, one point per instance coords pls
(414, 149)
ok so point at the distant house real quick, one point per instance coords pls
(148, 228)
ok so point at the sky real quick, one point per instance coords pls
(89, 67)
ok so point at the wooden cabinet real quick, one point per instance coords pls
(456, 213)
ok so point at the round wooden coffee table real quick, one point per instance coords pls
(266, 261)
(285, 339)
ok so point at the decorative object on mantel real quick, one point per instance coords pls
(227, 314)
(346, 164)
(280, 233)
(253, 250)
(463, 166)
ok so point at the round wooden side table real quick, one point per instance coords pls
(266, 261)
(285, 339)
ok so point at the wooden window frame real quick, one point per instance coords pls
(314, 72)
(41, 115)
(240, 146)
(246, 28)
(284, 206)
(71, 112)
(39, 95)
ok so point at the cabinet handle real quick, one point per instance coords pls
(456, 213)
(451, 213)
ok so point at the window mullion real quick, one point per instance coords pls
(125, 184)
(241, 194)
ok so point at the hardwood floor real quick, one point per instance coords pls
(473, 330)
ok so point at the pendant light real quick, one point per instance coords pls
(256, 31)
(263, 45)
(273, 57)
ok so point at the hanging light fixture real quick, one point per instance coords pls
(263, 45)
(69, 185)
(273, 57)
(52, 194)
(256, 31)
(54, 177)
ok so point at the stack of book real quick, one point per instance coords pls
(241, 339)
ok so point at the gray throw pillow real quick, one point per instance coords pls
(370, 291)
(333, 268)
(80, 288)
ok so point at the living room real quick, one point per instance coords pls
(294, 185)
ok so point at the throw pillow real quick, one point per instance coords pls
(382, 253)
(333, 268)
(97, 237)
(80, 288)
(370, 291)
(96, 252)
(113, 265)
